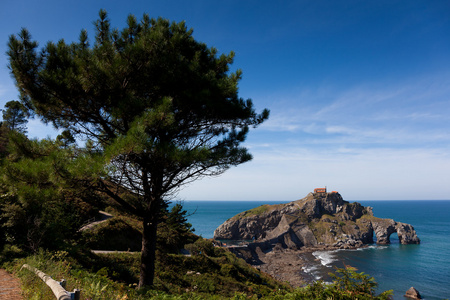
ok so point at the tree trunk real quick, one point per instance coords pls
(148, 255)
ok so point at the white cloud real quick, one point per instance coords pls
(279, 123)
(339, 129)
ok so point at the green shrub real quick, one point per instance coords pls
(348, 283)
(117, 233)
(10, 252)
(201, 246)
(228, 270)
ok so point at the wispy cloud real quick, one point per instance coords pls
(402, 113)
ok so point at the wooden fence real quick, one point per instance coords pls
(57, 287)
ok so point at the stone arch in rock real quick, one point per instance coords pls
(383, 228)
(407, 234)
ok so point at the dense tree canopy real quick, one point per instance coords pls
(161, 108)
(41, 202)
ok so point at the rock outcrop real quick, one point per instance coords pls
(318, 220)
(412, 293)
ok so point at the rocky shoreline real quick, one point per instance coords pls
(284, 264)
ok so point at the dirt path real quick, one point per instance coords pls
(9, 287)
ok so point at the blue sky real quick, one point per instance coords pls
(359, 91)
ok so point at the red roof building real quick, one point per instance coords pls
(320, 190)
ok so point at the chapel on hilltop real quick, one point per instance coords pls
(323, 191)
(320, 190)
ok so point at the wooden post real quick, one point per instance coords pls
(75, 295)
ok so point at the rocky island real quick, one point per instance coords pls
(276, 234)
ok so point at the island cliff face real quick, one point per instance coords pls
(320, 220)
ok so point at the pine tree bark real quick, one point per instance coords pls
(148, 254)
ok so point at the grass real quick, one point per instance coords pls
(254, 212)
(257, 211)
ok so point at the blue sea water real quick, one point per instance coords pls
(395, 267)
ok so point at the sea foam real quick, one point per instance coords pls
(326, 257)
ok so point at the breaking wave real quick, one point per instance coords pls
(326, 257)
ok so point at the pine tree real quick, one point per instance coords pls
(15, 116)
(160, 108)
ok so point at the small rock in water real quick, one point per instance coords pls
(412, 293)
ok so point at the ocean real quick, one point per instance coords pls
(395, 267)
